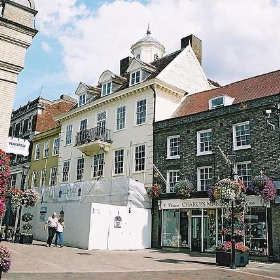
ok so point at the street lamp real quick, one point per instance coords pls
(231, 157)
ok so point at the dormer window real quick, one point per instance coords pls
(135, 78)
(106, 88)
(220, 101)
(82, 99)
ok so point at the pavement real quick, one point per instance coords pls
(39, 262)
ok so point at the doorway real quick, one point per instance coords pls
(196, 233)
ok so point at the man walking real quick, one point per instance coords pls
(51, 224)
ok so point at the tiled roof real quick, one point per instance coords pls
(249, 89)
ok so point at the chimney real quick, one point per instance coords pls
(124, 64)
(196, 45)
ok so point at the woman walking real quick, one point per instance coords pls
(59, 232)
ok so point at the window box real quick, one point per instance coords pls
(224, 258)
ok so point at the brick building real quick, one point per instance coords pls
(243, 116)
(16, 33)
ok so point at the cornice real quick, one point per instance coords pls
(10, 67)
(128, 92)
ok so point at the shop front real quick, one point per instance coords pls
(198, 224)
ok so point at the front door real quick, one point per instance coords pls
(196, 234)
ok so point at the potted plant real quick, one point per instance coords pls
(26, 237)
(5, 259)
(183, 188)
(223, 254)
(154, 191)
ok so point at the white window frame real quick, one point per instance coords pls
(235, 146)
(120, 118)
(170, 187)
(198, 148)
(46, 149)
(139, 113)
(169, 147)
(106, 88)
(117, 162)
(80, 169)
(34, 178)
(98, 165)
(68, 134)
(43, 178)
(82, 99)
(53, 176)
(37, 151)
(56, 143)
(199, 179)
(65, 171)
(101, 123)
(244, 176)
(135, 77)
(13, 180)
(139, 166)
(211, 106)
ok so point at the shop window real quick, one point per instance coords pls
(170, 229)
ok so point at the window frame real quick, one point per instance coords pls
(34, 178)
(138, 116)
(53, 176)
(135, 77)
(120, 118)
(68, 134)
(65, 172)
(199, 179)
(37, 151)
(82, 99)
(139, 163)
(119, 164)
(106, 88)
(98, 162)
(168, 185)
(46, 150)
(211, 107)
(56, 145)
(198, 142)
(234, 132)
(80, 169)
(43, 178)
(169, 147)
(242, 176)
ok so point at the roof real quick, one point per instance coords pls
(249, 89)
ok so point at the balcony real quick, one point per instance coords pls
(92, 140)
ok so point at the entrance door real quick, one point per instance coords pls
(196, 234)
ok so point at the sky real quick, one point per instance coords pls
(77, 40)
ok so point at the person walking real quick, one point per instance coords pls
(51, 224)
(59, 232)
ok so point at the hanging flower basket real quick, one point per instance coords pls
(263, 186)
(16, 197)
(27, 217)
(29, 198)
(154, 191)
(183, 188)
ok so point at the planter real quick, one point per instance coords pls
(26, 238)
(224, 258)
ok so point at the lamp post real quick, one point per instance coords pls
(231, 157)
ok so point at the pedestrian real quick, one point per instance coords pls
(51, 224)
(59, 232)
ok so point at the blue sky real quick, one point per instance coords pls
(79, 39)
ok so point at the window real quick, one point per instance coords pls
(21, 125)
(121, 118)
(241, 136)
(98, 164)
(217, 102)
(101, 124)
(55, 146)
(173, 147)
(46, 149)
(135, 78)
(106, 88)
(82, 99)
(13, 180)
(29, 125)
(65, 171)
(140, 158)
(204, 142)
(244, 172)
(34, 178)
(53, 176)
(68, 138)
(43, 178)
(204, 178)
(172, 178)
(80, 169)
(141, 109)
(83, 125)
(37, 151)
(119, 161)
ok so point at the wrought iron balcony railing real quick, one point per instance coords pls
(92, 135)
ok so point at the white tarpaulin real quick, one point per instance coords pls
(119, 191)
(18, 146)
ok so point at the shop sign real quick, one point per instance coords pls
(18, 146)
(191, 203)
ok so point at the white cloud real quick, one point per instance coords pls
(240, 38)
(46, 47)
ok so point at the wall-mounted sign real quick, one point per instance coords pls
(118, 221)
(18, 146)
